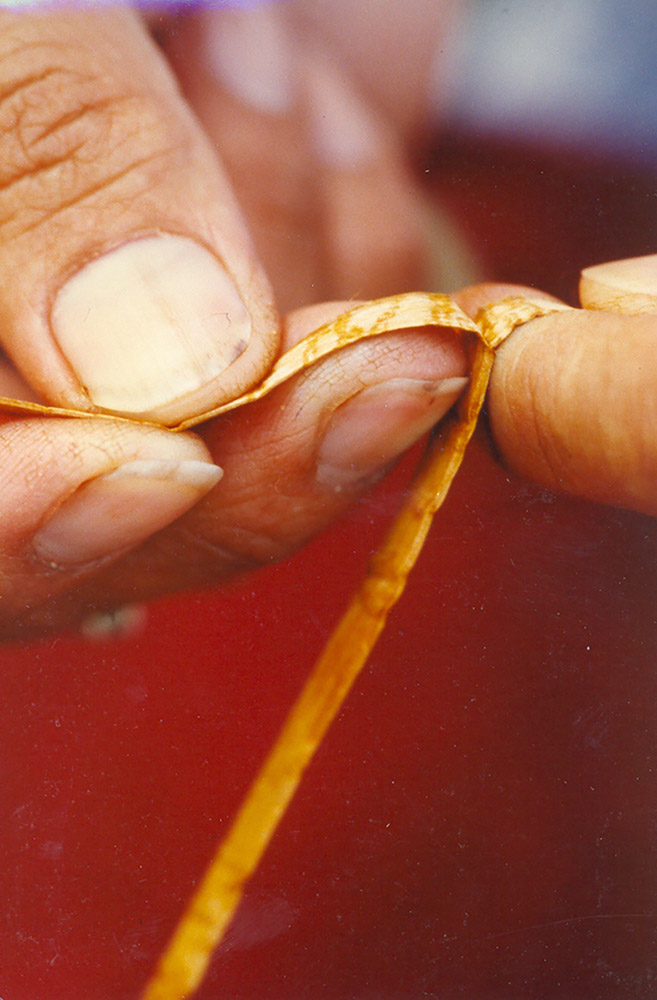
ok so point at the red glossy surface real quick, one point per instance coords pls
(480, 821)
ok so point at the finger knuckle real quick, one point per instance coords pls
(67, 132)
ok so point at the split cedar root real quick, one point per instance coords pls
(186, 958)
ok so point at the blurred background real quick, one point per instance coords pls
(481, 819)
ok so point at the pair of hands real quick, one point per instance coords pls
(132, 281)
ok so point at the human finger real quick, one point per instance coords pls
(238, 70)
(371, 210)
(621, 286)
(292, 462)
(76, 495)
(322, 177)
(572, 400)
(127, 279)
(398, 54)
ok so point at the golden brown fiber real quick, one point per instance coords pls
(187, 956)
(185, 961)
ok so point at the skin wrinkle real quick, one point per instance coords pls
(36, 171)
(250, 460)
(506, 407)
(284, 514)
(72, 113)
(586, 435)
(248, 491)
(546, 447)
(52, 107)
(13, 431)
(239, 548)
(22, 86)
(243, 479)
(578, 471)
(517, 393)
(548, 450)
(73, 117)
(635, 469)
(73, 157)
(13, 26)
(590, 421)
(261, 546)
(48, 452)
(79, 199)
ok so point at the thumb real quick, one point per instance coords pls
(573, 395)
(127, 280)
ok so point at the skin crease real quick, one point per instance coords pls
(572, 402)
(34, 595)
(596, 472)
(301, 214)
(140, 749)
(250, 524)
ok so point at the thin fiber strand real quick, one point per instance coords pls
(187, 956)
(185, 961)
(208, 915)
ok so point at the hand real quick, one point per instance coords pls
(120, 293)
(129, 283)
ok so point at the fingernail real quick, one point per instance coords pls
(372, 428)
(150, 323)
(627, 286)
(114, 512)
(344, 132)
(250, 54)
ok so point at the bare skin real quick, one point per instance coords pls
(133, 279)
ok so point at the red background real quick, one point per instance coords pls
(480, 821)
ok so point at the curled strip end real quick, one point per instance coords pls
(496, 322)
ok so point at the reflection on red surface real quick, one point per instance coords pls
(480, 821)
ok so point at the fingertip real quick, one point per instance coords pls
(128, 279)
(251, 55)
(328, 433)
(76, 494)
(625, 286)
(238, 68)
(475, 297)
(572, 406)
(153, 328)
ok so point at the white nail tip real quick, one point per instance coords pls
(636, 274)
(116, 511)
(200, 475)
